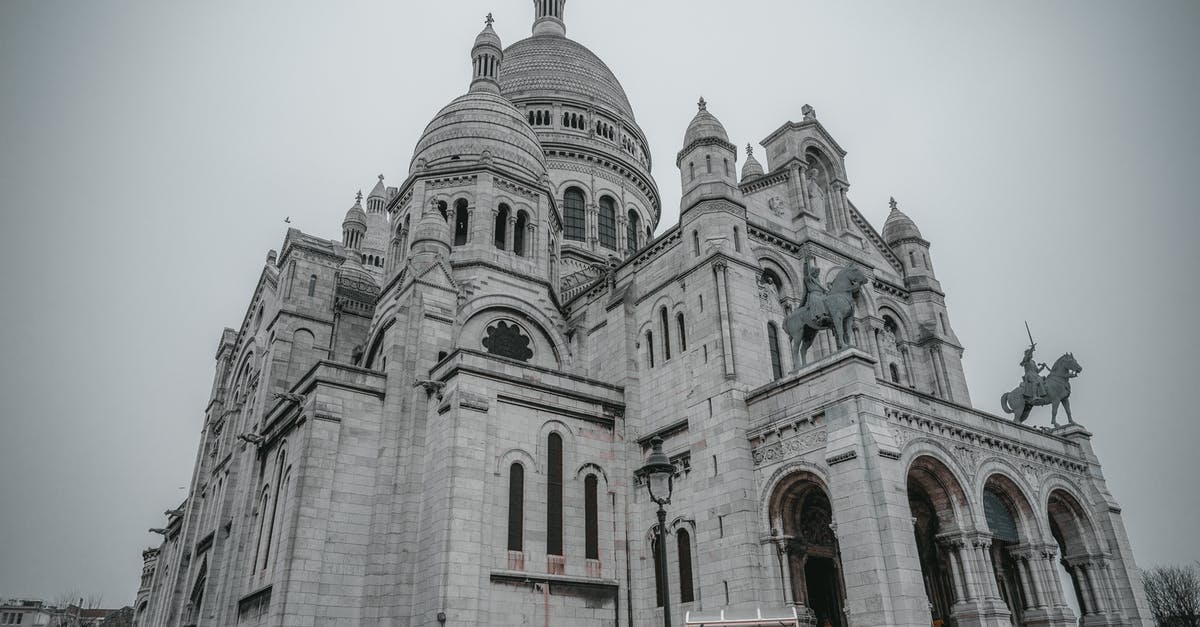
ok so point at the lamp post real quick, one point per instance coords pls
(659, 474)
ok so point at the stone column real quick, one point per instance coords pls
(720, 269)
(510, 232)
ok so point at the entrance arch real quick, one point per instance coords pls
(939, 509)
(1011, 521)
(1084, 561)
(802, 512)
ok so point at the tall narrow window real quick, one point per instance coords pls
(591, 516)
(263, 514)
(680, 330)
(519, 232)
(632, 229)
(708, 164)
(312, 285)
(776, 359)
(608, 223)
(912, 260)
(727, 167)
(684, 545)
(650, 346)
(737, 240)
(516, 507)
(666, 333)
(692, 174)
(895, 372)
(573, 220)
(460, 222)
(444, 209)
(554, 491)
(500, 230)
(696, 243)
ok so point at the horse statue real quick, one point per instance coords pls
(833, 310)
(1055, 388)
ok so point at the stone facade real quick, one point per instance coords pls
(439, 418)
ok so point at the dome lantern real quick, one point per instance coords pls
(486, 56)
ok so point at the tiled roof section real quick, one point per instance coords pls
(549, 65)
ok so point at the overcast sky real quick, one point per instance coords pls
(149, 152)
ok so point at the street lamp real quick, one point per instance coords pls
(659, 474)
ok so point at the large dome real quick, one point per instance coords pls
(555, 66)
(476, 123)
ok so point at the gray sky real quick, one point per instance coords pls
(149, 152)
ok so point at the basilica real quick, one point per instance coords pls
(442, 416)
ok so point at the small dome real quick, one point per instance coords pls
(352, 268)
(356, 215)
(899, 226)
(753, 167)
(480, 127)
(704, 126)
(488, 36)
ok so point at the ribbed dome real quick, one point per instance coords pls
(704, 126)
(899, 226)
(752, 167)
(552, 66)
(476, 123)
(488, 37)
(356, 215)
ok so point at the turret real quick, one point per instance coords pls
(903, 236)
(354, 227)
(486, 57)
(752, 168)
(707, 161)
(431, 236)
(548, 18)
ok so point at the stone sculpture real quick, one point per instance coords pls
(1036, 390)
(816, 196)
(824, 308)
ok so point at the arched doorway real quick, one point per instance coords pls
(1008, 516)
(938, 504)
(1082, 562)
(803, 512)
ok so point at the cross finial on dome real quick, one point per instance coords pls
(749, 150)
(381, 178)
(488, 20)
(702, 104)
(358, 196)
(892, 203)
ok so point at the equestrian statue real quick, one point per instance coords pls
(829, 307)
(1036, 390)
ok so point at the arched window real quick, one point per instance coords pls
(692, 175)
(460, 222)
(443, 209)
(608, 223)
(573, 221)
(727, 167)
(773, 347)
(519, 232)
(696, 243)
(500, 232)
(650, 346)
(631, 231)
(708, 164)
(312, 285)
(554, 492)
(680, 330)
(516, 507)
(737, 240)
(591, 519)
(531, 120)
(895, 372)
(687, 592)
(666, 333)
(912, 260)
(263, 503)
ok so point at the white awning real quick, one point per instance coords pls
(771, 617)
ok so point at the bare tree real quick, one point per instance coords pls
(1174, 594)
